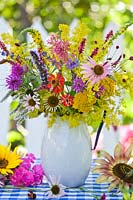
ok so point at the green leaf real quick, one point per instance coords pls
(68, 83)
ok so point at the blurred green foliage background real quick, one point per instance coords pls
(95, 13)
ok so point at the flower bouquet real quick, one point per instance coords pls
(68, 77)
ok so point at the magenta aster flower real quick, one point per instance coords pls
(13, 82)
(78, 85)
(17, 70)
(95, 72)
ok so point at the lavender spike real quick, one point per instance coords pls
(41, 67)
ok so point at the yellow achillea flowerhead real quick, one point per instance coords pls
(109, 87)
(8, 160)
(82, 103)
(64, 31)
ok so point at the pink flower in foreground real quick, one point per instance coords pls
(26, 174)
(22, 177)
(38, 174)
(95, 72)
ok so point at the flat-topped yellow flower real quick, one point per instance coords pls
(8, 160)
(82, 103)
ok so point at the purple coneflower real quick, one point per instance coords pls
(95, 72)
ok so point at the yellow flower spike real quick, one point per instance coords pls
(80, 32)
(64, 31)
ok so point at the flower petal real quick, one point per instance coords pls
(119, 151)
(102, 161)
(113, 185)
(92, 61)
(107, 156)
(102, 179)
(128, 152)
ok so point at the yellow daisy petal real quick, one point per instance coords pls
(8, 160)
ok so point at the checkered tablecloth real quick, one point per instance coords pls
(90, 191)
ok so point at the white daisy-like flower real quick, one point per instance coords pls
(31, 102)
(56, 189)
(95, 72)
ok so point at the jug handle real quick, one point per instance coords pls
(99, 131)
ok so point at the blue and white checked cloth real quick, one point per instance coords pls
(92, 190)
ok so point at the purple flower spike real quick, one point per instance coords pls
(78, 85)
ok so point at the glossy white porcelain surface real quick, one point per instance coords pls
(66, 152)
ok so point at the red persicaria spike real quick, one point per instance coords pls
(94, 52)
(82, 46)
(109, 35)
(3, 47)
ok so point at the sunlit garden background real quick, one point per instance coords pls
(46, 15)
